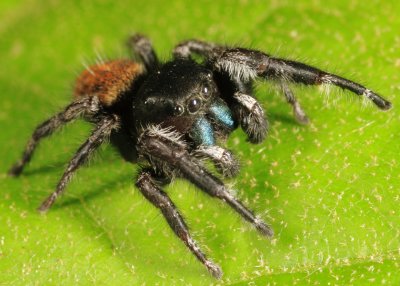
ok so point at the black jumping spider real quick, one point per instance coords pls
(169, 116)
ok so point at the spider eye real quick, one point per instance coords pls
(178, 110)
(194, 105)
(206, 90)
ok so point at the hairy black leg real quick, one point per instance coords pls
(298, 112)
(99, 134)
(71, 112)
(186, 48)
(141, 46)
(249, 111)
(249, 64)
(175, 220)
(223, 159)
(157, 144)
(251, 114)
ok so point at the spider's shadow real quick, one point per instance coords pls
(272, 117)
(88, 196)
(93, 193)
(45, 169)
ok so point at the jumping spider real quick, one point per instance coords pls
(170, 116)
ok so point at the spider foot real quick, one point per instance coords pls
(46, 204)
(214, 269)
(299, 114)
(263, 228)
(16, 170)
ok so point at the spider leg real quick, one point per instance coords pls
(298, 112)
(186, 48)
(99, 134)
(223, 159)
(161, 200)
(45, 129)
(141, 46)
(249, 64)
(168, 149)
(251, 115)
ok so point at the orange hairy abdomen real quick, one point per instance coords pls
(107, 80)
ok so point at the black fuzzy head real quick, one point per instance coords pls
(175, 95)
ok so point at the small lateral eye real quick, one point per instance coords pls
(194, 105)
(178, 110)
(206, 90)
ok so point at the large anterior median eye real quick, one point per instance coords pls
(194, 105)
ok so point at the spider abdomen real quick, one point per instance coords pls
(107, 80)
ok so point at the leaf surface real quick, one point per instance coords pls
(330, 189)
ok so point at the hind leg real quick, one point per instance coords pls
(142, 47)
(48, 127)
(102, 131)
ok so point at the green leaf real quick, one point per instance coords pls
(330, 189)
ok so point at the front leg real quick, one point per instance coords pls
(98, 136)
(223, 159)
(89, 105)
(248, 64)
(172, 152)
(160, 199)
(252, 117)
(248, 112)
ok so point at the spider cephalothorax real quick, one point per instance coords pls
(178, 94)
(171, 116)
